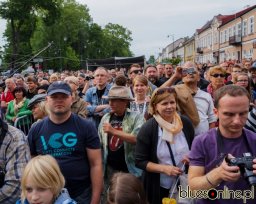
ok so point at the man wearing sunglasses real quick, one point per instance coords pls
(136, 69)
(193, 102)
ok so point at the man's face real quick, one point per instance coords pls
(151, 74)
(253, 73)
(59, 103)
(236, 71)
(81, 81)
(168, 70)
(134, 71)
(113, 73)
(160, 69)
(118, 106)
(101, 77)
(20, 82)
(10, 85)
(31, 85)
(232, 113)
(190, 75)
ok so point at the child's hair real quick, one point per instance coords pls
(125, 188)
(44, 171)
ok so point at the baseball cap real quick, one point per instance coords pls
(59, 87)
(36, 99)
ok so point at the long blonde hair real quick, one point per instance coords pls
(44, 171)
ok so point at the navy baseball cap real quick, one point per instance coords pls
(36, 99)
(59, 87)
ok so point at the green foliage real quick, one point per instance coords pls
(173, 61)
(32, 24)
(151, 59)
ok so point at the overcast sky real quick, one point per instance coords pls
(151, 21)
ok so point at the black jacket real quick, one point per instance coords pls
(146, 151)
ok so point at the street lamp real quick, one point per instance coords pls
(168, 36)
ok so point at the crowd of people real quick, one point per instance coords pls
(126, 136)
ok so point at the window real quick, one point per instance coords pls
(234, 30)
(225, 36)
(244, 28)
(251, 25)
(230, 32)
(238, 30)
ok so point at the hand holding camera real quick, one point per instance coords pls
(246, 166)
(227, 172)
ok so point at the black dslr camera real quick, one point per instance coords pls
(88, 78)
(245, 164)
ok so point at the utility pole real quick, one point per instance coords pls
(168, 36)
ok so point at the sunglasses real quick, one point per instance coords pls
(163, 90)
(136, 71)
(218, 75)
(189, 71)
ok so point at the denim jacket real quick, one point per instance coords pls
(63, 198)
(132, 123)
(92, 98)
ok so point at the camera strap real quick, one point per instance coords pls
(220, 147)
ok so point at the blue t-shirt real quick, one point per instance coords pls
(67, 143)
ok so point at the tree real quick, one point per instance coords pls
(151, 59)
(117, 40)
(21, 19)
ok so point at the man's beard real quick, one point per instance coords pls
(152, 79)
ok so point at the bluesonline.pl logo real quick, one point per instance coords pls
(214, 194)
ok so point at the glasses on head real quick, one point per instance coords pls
(242, 80)
(136, 71)
(218, 75)
(189, 71)
(163, 90)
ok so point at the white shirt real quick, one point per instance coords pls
(179, 148)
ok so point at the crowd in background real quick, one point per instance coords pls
(130, 109)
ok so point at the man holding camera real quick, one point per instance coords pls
(14, 155)
(211, 165)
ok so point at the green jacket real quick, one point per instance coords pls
(22, 111)
(132, 123)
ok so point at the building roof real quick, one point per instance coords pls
(236, 15)
(224, 19)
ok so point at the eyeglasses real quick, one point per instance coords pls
(163, 90)
(218, 75)
(136, 71)
(242, 80)
(189, 71)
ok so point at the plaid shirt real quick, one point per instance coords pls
(14, 155)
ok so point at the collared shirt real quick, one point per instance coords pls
(132, 123)
(14, 155)
(92, 98)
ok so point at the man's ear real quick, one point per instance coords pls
(215, 110)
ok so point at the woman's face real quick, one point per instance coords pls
(18, 95)
(242, 81)
(166, 108)
(35, 194)
(217, 79)
(140, 88)
(37, 113)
